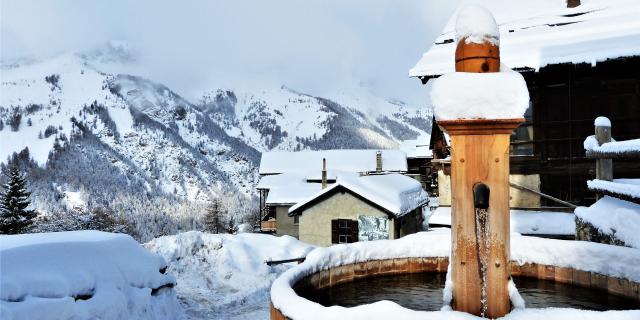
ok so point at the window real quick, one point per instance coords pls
(344, 231)
(296, 219)
(522, 136)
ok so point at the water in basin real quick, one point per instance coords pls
(423, 291)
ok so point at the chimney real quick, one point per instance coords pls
(324, 173)
(573, 3)
(379, 161)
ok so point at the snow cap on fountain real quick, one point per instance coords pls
(464, 95)
(476, 24)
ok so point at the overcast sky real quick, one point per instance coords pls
(314, 46)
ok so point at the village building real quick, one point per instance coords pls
(580, 62)
(311, 195)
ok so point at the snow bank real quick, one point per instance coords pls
(82, 275)
(591, 144)
(397, 193)
(222, 276)
(595, 257)
(620, 188)
(615, 217)
(476, 24)
(464, 95)
(523, 221)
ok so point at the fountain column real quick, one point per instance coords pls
(480, 269)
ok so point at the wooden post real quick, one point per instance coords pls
(604, 167)
(324, 173)
(480, 153)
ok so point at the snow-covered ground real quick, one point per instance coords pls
(225, 276)
(614, 217)
(82, 275)
(523, 222)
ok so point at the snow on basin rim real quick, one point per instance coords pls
(464, 95)
(595, 257)
(476, 24)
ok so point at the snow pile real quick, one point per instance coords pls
(344, 160)
(591, 144)
(476, 24)
(82, 275)
(523, 221)
(224, 276)
(620, 187)
(396, 193)
(495, 95)
(595, 257)
(614, 217)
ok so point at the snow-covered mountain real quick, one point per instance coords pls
(111, 135)
(283, 119)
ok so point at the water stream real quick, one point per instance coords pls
(482, 244)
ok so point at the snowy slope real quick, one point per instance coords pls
(224, 276)
(282, 119)
(162, 135)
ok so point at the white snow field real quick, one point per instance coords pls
(222, 276)
(523, 221)
(82, 275)
(605, 259)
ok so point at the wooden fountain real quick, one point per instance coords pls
(480, 155)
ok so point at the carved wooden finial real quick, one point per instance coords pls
(478, 37)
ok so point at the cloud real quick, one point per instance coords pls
(316, 46)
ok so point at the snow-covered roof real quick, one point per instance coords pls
(396, 193)
(536, 33)
(275, 162)
(288, 188)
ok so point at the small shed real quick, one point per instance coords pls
(363, 208)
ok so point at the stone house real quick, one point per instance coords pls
(292, 178)
(361, 208)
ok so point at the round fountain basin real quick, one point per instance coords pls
(423, 291)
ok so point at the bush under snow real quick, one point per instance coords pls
(82, 275)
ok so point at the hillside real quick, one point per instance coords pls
(147, 154)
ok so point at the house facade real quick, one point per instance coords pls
(302, 198)
(362, 209)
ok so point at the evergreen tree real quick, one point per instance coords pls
(213, 218)
(14, 200)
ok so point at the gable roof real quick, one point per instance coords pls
(536, 33)
(275, 162)
(395, 194)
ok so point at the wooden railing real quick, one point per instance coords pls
(603, 149)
